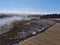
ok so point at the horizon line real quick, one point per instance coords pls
(22, 12)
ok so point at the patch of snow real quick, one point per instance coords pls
(33, 33)
(39, 30)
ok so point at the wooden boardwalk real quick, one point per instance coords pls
(50, 37)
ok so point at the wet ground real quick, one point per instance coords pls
(31, 28)
(16, 29)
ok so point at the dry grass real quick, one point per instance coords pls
(50, 37)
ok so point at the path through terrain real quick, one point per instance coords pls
(50, 37)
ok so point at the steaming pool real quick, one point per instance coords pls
(8, 20)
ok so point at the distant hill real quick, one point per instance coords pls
(51, 16)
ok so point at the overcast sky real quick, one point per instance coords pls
(30, 6)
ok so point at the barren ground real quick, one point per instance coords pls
(50, 37)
